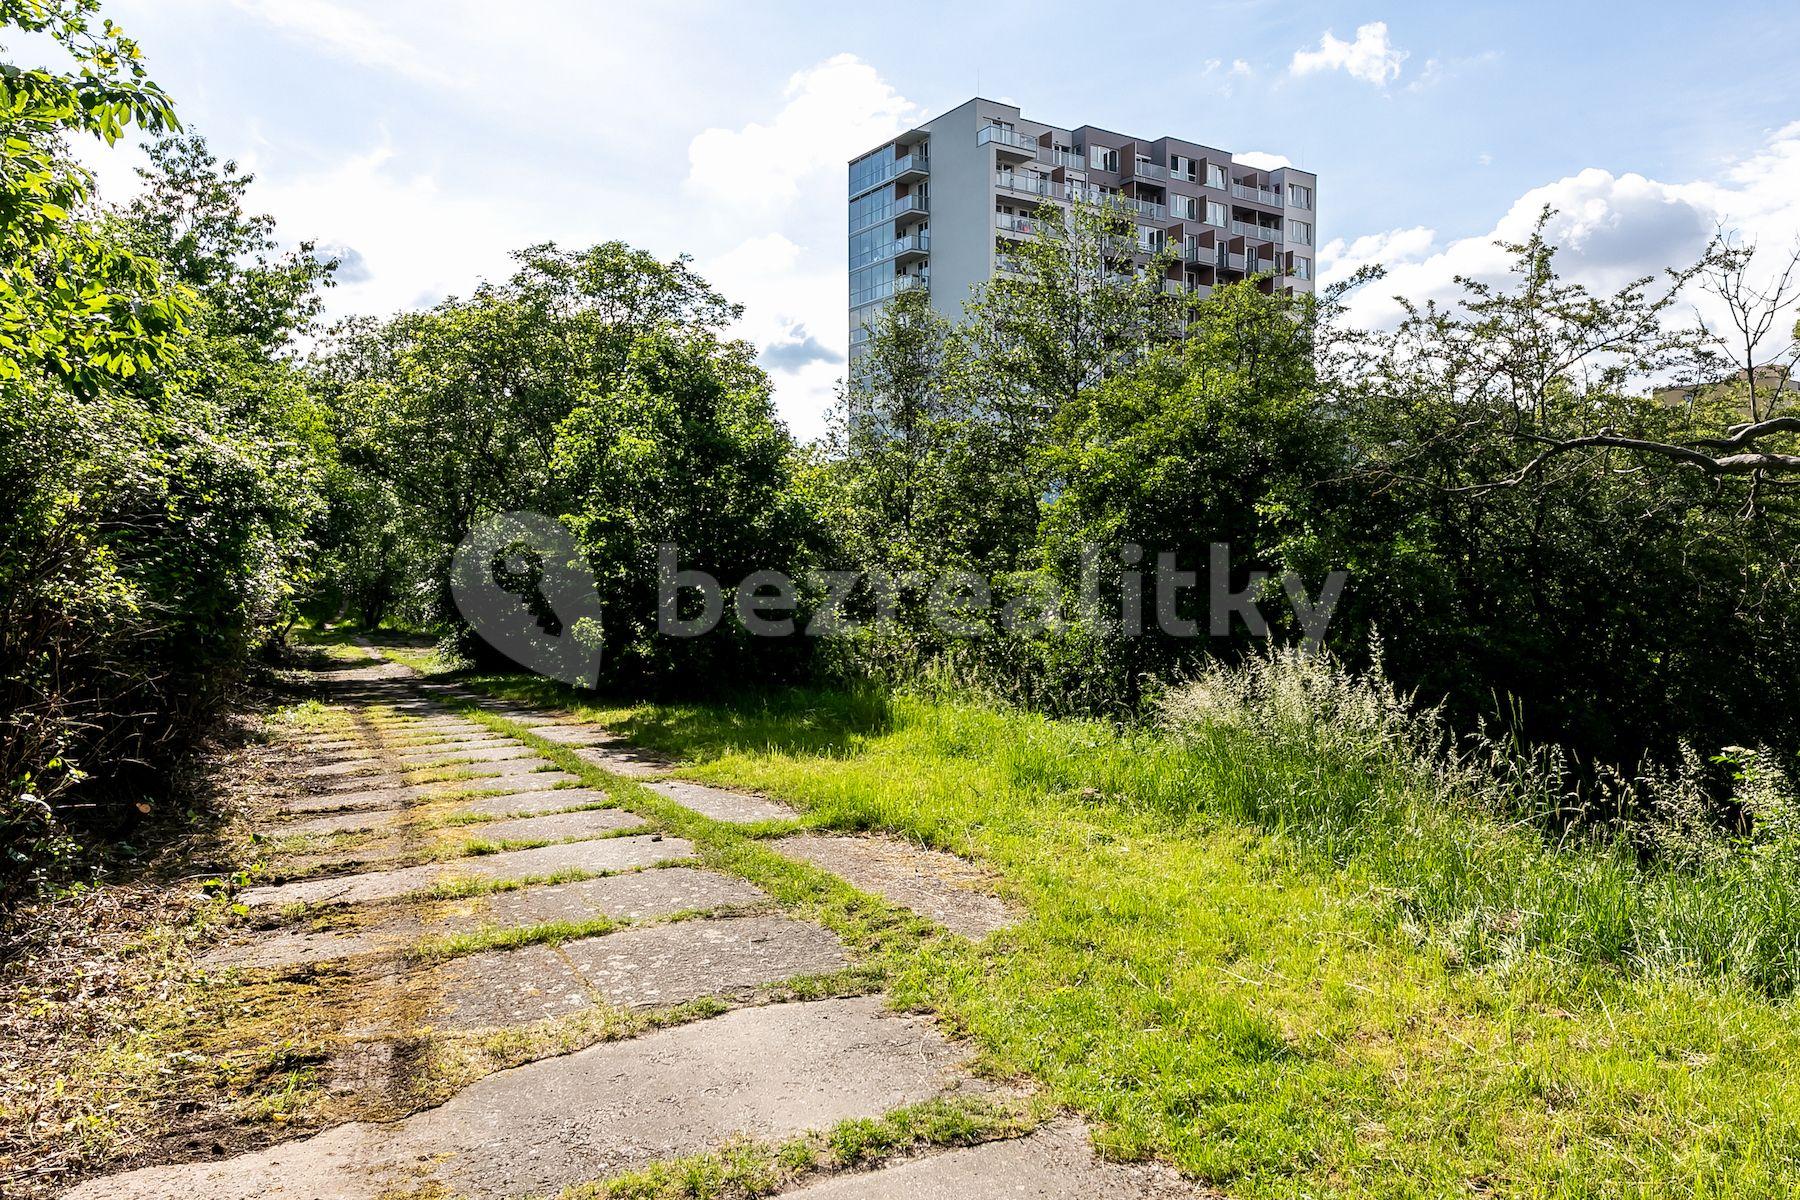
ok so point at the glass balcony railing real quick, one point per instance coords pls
(1031, 185)
(1067, 159)
(1262, 195)
(887, 288)
(1205, 256)
(1145, 169)
(911, 164)
(994, 135)
(1018, 226)
(914, 205)
(916, 243)
(1147, 209)
(1266, 233)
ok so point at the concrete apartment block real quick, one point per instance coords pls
(936, 207)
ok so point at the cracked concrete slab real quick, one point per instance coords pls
(455, 754)
(537, 800)
(554, 827)
(400, 841)
(769, 1072)
(357, 821)
(387, 779)
(573, 734)
(655, 966)
(361, 765)
(951, 891)
(426, 743)
(738, 808)
(625, 760)
(640, 895)
(661, 965)
(604, 854)
(316, 756)
(636, 896)
(513, 804)
(369, 799)
(512, 773)
(501, 989)
(1057, 1162)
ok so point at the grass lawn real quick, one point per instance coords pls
(1222, 996)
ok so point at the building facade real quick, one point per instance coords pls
(936, 207)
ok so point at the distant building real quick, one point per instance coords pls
(1776, 386)
(936, 207)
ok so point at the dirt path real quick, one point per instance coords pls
(531, 987)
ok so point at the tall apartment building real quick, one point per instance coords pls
(936, 207)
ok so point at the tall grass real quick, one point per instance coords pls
(1492, 850)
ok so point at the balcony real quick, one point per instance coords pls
(913, 246)
(1017, 226)
(1144, 169)
(1260, 195)
(907, 283)
(908, 209)
(1146, 209)
(1068, 160)
(912, 168)
(904, 169)
(1007, 142)
(1029, 185)
(1263, 233)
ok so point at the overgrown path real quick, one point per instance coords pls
(526, 960)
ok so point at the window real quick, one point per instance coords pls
(1300, 233)
(1215, 213)
(1185, 207)
(1150, 241)
(1182, 167)
(1302, 268)
(1299, 195)
(871, 169)
(871, 284)
(870, 245)
(1103, 159)
(873, 208)
(1215, 176)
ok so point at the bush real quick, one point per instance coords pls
(1495, 851)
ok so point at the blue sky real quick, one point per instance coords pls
(428, 139)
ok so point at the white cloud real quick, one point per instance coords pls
(345, 33)
(399, 225)
(1339, 259)
(1370, 58)
(787, 171)
(1609, 229)
(833, 110)
(1262, 160)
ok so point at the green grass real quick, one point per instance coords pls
(745, 1168)
(1218, 969)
